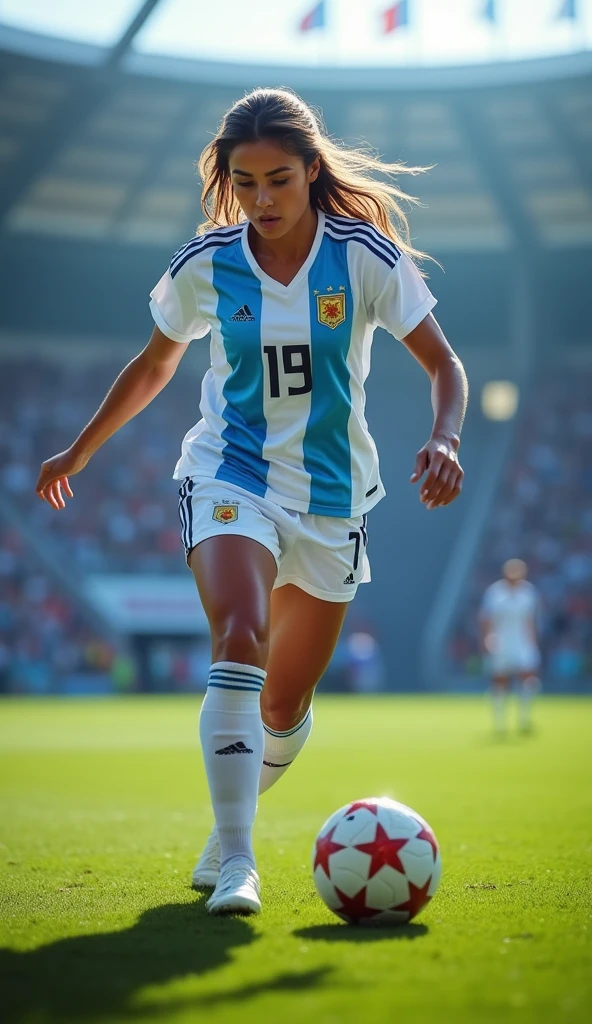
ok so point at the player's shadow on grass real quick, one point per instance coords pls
(362, 933)
(92, 976)
(294, 983)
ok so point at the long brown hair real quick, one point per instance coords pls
(345, 184)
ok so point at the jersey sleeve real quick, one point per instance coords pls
(404, 299)
(174, 308)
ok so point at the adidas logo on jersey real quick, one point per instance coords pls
(235, 748)
(244, 313)
(350, 578)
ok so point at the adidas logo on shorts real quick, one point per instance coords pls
(350, 578)
(244, 313)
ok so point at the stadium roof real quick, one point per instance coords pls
(314, 33)
(94, 149)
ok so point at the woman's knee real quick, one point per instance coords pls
(239, 639)
(283, 711)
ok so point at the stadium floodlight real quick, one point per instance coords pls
(499, 399)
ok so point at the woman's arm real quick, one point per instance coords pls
(485, 633)
(438, 457)
(141, 380)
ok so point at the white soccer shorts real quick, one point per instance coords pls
(324, 556)
(514, 659)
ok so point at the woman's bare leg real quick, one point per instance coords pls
(500, 686)
(304, 632)
(303, 635)
(234, 577)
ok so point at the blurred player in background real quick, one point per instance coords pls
(299, 262)
(509, 630)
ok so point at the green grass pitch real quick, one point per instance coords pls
(104, 807)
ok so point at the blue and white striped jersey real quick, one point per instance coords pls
(283, 402)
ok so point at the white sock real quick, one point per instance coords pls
(231, 733)
(498, 699)
(525, 695)
(281, 748)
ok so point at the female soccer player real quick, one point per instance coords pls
(509, 628)
(299, 263)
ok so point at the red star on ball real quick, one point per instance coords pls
(428, 835)
(359, 804)
(325, 847)
(418, 897)
(383, 851)
(354, 907)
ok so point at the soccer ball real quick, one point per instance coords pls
(376, 861)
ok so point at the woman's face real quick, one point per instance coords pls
(515, 570)
(271, 185)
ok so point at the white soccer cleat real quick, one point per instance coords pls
(237, 891)
(207, 870)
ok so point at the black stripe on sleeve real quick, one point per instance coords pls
(390, 262)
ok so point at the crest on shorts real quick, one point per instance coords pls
(225, 513)
(331, 309)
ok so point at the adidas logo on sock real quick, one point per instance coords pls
(235, 748)
(244, 313)
(350, 578)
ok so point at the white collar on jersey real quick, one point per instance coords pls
(270, 282)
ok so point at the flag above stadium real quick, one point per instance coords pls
(329, 33)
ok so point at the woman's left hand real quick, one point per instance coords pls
(443, 482)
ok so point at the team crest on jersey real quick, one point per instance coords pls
(331, 309)
(225, 513)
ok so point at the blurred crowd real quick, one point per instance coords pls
(46, 644)
(124, 517)
(543, 514)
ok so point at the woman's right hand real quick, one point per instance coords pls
(54, 476)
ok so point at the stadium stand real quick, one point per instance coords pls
(123, 518)
(543, 514)
(46, 645)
